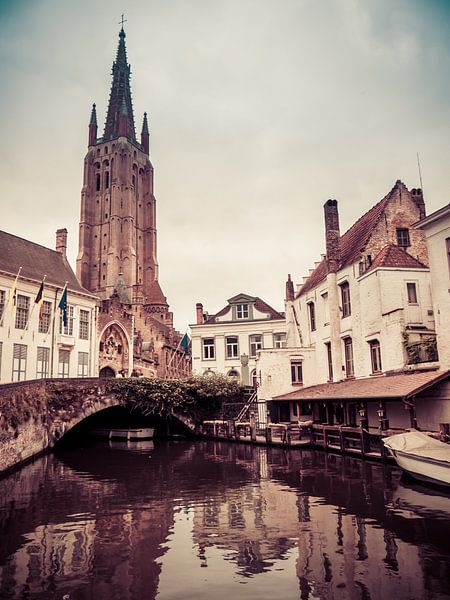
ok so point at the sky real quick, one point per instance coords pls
(259, 111)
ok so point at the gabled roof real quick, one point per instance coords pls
(155, 295)
(259, 304)
(352, 242)
(36, 261)
(393, 256)
(399, 386)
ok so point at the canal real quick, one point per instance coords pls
(201, 520)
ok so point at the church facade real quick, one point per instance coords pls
(117, 258)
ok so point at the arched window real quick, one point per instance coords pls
(233, 373)
(106, 179)
(98, 182)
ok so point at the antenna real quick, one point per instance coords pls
(420, 173)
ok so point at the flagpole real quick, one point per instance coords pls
(12, 291)
(176, 350)
(34, 304)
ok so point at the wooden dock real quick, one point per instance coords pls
(333, 438)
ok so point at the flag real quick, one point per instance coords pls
(14, 292)
(39, 299)
(63, 305)
(185, 343)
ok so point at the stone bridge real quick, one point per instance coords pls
(34, 415)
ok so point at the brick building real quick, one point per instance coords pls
(117, 258)
(364, 312)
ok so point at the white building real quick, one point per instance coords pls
(364, 312)
(437, 230)
(35, 344)
(228, 342)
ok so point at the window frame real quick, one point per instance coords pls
(211, 354)
(83, 325)
(254, 345)
(413, 298)
(2, 303)
(46, 317)
(83, 366)
(348, 357)
(329, 361)
(311, 315)
(403, 237)
(346, 303)
(297, 372)
(242, 311)
(279, 342)
(231, 348)
(62, 373)
(19, 368)
(42, 362)
(22, 312)
(67, 330)
(375, 356)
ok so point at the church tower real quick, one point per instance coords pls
(117, 242)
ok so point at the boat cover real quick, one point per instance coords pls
(419, 444)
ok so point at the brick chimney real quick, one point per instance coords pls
(199, 309)
(332, 235)
(417, 195)
(61, 241)
(289, 288)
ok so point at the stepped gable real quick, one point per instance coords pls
(260, 305)
(352, 242)
(393, 256)
(36, 261)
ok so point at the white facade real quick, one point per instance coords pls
(229, 342)
(437, 231)
(33, 348)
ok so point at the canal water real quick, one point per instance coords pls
(214, 520)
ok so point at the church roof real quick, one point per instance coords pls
(352, 242)
(393, 256)
(36, 261)
(120, 102)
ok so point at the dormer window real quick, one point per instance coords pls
(241, 311)
(403, 238)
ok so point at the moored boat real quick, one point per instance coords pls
(420, 455)
(127, 433)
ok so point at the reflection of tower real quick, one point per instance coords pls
(118, 223)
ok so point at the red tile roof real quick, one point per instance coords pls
(260, 305)
(36, 261)
(389, 386)
(352, 242)
(393, 256)
(155, 295)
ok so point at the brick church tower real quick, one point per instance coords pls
(117, 240)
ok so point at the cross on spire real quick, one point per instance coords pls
(122, 21)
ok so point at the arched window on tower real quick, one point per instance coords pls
(106, 179)
(133, 179)
(98, 182)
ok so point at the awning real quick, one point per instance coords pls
(384, 387)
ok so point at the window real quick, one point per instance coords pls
(43, 355)
(19, 362)
(345, 299)
(44, 322)
(312, 316)
(69, 329)
(326, 309)
(241, 311)
(2, 303)
(279, 340)
(63, 363)
(296, 372)
(348, 354)
(412, 293)
(329, 361)
(97, 182)
(375, 356)
(83, 364)
(233, 373)
(447, 245)
(22, 310)
(403, 238)
(106, 179)
(84, 324)
(232, 346)
(255, 344)
(208, 348)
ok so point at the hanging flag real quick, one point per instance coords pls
(63, 305)
(185, 343)
(40, 299)
(13, 294)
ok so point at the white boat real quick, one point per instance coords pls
(128, 433)
(421, 456)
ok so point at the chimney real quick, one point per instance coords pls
(289, 288)
(332, 235)
(61, 241)
(417, 195)
(199, 309)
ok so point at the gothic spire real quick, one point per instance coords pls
(145, 135)
(120, 95)
(93, 126)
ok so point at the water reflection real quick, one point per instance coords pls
(181, 519)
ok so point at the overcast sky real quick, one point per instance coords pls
(260, 110)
